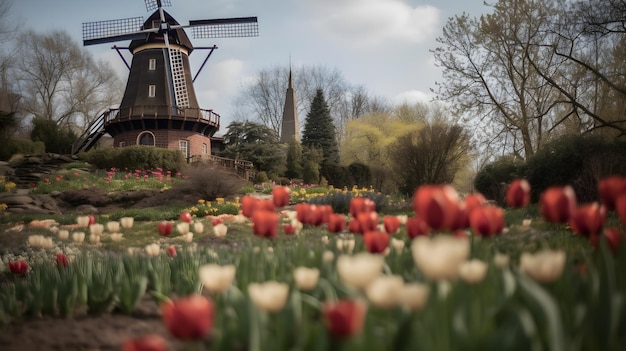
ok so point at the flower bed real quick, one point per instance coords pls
(455, 274)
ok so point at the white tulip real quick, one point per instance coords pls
(63, 234)
(78, 237)
(544, 266)
(127, 222)
(40, 241)
(113, 226)
(182, 228)
(501, 260)
(153, 249)
(116, 237)
(328, 256)
(360, 270)
(397, 244)
(306, 278)
(215, 278)
(414, 296)
(440, 257)
(220, 230)
(96, 229)
(198, 228)
(82, 221)
(187, 237)
(473, 271)
(384, 291)
(269, 296)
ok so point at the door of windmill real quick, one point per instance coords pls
(183, 146)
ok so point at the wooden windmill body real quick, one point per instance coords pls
(159, 107)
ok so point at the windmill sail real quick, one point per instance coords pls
(178, 78)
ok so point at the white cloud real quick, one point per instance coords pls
(372, 22)
(411, 97)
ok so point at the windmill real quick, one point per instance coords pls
(159, 106)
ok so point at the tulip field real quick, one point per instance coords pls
(445, 272)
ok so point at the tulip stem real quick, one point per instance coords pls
(310, 300)
(329, 292)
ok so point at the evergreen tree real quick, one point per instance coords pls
(294, 160)
(311, 165)
(319, 132)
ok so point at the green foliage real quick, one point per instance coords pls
(57, 140)
(492, 179)
(15, 146)
(340, 200)
(136, 157)
(579, 161)
(311, 166)
(319, 132)
(431, 155)
(209, 182)
(260, 178)
(294, 160)
(256, 143)
(361, 174)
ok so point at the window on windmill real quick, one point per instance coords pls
(152, 64)
(204, 149)
(151, 90)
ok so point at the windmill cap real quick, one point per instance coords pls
(176, 36)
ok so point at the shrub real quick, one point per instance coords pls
(492, 179)
(136, 157)
(340, 200)
(579, 161)
(210, 182)
(21, 146)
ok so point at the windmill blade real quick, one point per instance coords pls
(225, 28)
(152, 5)
(113, 30)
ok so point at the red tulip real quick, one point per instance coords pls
(171, 251)
(265, 223)
(462, 217)
(344, 318)
(487, 220)
(336, 223)
(354, 226)
(61, 260)
(360, 205)
(216, 221)
(248, 204)
(265, 204)
(289, 229)
(314, 215)
(474, 200)
(610, 189)
(620, 208)
(416, 226)
(165, 228)
(185, 216)
(92, 219)
(518, 193)
(391, 224)
(437, 205)
(588, 219)
(280, 196)
(612, 238)
(189, 318)
(325, 212)
(302, 212)
(18, 267)
(367, 221)
(557, 204)
(376, 241)
(151, 342)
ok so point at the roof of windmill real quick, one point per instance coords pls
(179, 37)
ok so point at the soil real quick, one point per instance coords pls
(88, 333)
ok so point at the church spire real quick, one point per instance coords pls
(289, 127)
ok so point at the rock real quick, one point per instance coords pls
(85, 209)
(29, 209)
(16, 200)
(90, 196)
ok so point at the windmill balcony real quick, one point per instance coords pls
(150, 117)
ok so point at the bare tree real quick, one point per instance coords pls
(263, 100)
(60, 81)
(489, 78)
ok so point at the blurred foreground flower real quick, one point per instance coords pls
(265, 223)
(306, 278)
(376, 241)
(440, 257)
(269, 296)
(487, 220)
(344, 318)
(384, 291)
(113, 226)
(610, 189)
(473, 271)
(189, 318)
(391, 224)
(116, 237)
(438, 205)
(588, 220)
(78, 237)
(127, 222)
(153, 249)
(413, 296)
(182, 228)
(63, 234)
(215, 278)
(518, 193)
(557, 204)
(360, 270)
(61, 259)
(544, 266)
(280, 196)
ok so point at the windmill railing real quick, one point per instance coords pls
(244, 169)
(161, 111)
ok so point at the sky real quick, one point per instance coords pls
(383, 45)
